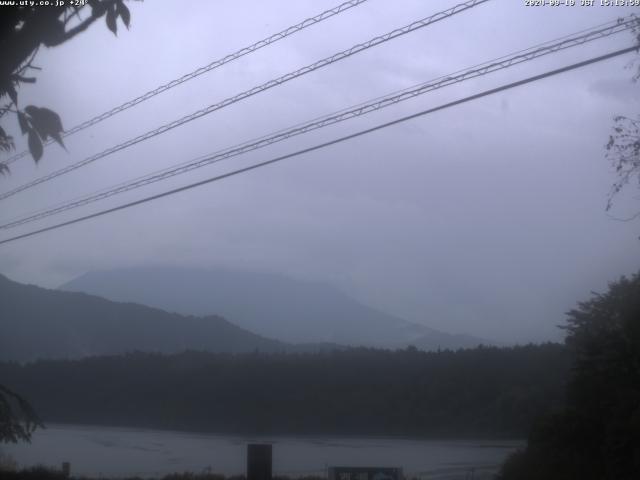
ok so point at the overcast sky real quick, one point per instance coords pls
(487, 218)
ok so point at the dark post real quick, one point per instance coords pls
(66, 469)
(259, 461)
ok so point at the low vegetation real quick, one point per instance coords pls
(42, 473)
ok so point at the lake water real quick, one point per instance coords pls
(96, 451)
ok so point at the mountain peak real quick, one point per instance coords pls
(269, 304)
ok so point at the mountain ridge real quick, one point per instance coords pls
(43, 323)
(271, 305)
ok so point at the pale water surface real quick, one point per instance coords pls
(96, 451)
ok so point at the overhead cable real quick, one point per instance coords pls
(327, 144)
(356, 111)
(207, 68)
(253, 91)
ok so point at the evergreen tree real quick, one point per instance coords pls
(597, 435)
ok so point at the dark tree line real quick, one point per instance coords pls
(597, 435)
(487, 391)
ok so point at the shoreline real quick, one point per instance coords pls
(283, 436)
(120, 452)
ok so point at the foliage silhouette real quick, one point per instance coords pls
(597, 435)
(17, 418)
(23, 29)
(623, 147)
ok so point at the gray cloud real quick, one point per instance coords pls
(486, 218)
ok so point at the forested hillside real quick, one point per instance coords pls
(484, 391)
(39, 323)
(596, 436)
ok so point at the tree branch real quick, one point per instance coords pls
(81, 27)
(628, 219)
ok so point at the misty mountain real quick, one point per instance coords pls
(268, 304)
(40, 323)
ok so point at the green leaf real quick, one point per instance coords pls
(36, 121)
(35, 145)
(52, 32)
(111, 20)
(53, 124)
(6, 141)
(13, 95)
(46, 122)
(23, 122)
(97, 8)
(124, 13)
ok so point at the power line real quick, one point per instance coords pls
(255, 90)
(346, 114)
(207, 68)
(331, 142)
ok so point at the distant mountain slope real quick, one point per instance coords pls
(271, 305)
(40, 323)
